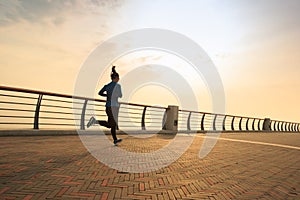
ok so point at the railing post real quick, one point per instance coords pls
(224, 120)
(164, 120)
(253, 125)
(282, 123)
(172, 118)
(293, 127)
(290, 127)
(274, 126)
(240, 124)
(82, 119)
(202, 122)
(267, 124)
(143, 125)
(271, 125)
(247, 123)
(258, 125)
(188, 125)
(298, 128)
(214, 123)
(37, 112)
(286, 126)
(232, 124)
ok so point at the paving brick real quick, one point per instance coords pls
(63, 169)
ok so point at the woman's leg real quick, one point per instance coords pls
(111, 122)
(103, 123)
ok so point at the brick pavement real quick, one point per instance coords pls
(59, 167)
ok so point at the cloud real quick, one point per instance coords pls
(49, 11)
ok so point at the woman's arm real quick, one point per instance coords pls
(119, 91)
(101, 92)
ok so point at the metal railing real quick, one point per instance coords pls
(220, 122)
(39, 109)
(33, 109)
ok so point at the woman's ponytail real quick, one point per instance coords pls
(114, 73)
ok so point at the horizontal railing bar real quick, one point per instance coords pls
(18, 103)
(12, 116)
(23, 123)
(154, 119)
(213, 114)
(95, 104)
(183, 113)
(162, 110)
(55, 124)
(284, 122)
(94, 110)
(133, 113)
(62, 118)
(54, 106)
(24, 97)
(190, 111)
(130, 117)
(67, 113)
(62, 101)
(129, 121)
(46, 93)
(131, 126)
(152, 114)
(14, 109)
(102, 115)
(141, 105)
(130, 108)
(154, 122)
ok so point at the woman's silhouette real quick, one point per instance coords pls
(112, 92)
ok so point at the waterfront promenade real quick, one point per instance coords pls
(240, 166)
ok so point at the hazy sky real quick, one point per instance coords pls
(254, 44)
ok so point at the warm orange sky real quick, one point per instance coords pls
(254, 44)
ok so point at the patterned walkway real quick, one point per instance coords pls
(240, 166)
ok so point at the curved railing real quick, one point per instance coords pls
(36, 109)
(222, 122)
(203, 121)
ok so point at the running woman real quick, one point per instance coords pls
(112, 92)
